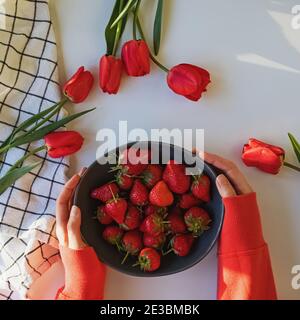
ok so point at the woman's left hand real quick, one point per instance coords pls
(68, 217)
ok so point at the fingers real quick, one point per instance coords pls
(80, 173)
(225, 187)
(217, 161)
(63, 208)
(73, 227)
(62, 202)
(231, 170)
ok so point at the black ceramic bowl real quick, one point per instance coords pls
(91, 229)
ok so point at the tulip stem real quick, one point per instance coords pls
(289, 165)
(37, 125)
(160, 65)
(4, 149)
(52, 114)
(136, 10)
(26, 156)
(119, 30)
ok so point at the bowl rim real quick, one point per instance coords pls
(208, 167)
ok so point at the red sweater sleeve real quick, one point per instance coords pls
(244, 268)
(84, 275)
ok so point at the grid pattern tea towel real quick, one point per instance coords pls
(28, 85)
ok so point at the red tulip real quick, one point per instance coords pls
(110, 72)
(266, 157)
(79, 86)
(136, 58)
(63, 143)
(188, 80)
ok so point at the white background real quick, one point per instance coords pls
(253, 55)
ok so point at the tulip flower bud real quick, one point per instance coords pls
(265, 157)
(188, 80)
(63, 143)
(79, 86)
(110, 73)
(136, 58)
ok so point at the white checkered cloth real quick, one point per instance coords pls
(28, 85)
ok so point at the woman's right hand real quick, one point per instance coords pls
(234, 183)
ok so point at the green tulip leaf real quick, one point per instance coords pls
(40, 133)
(296, 146)
(158, 26)
(112, 35)
(10, 178)
(27, 123)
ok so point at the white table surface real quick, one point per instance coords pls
(253, 55)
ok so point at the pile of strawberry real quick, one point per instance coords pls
(150, 207)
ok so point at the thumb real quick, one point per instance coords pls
(74, 234)
(225, 187)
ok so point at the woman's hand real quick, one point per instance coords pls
(235, 183)
(68, 217)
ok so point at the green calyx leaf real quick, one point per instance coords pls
(40, 133)
(114, 33)
(144, 263)
(12, 176)
(157, 26)
(296, 146)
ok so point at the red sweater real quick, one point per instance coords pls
(244, 268)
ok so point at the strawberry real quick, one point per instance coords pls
(132, 218)
(201, 188)
(175, 177)
(116, 208)
(153, 225)
(160, 195)
(102, 216)
(105, 192)
(113, 235)
(182, 244)
(197, 220)
(134, 161)
(188, 200)
(149, 260)
(132, 243)
(176, 223)
(152, 175)
(150, 209)
(124, 181)
(139, 193)
(154, 241)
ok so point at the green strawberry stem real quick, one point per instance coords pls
(112, 194)
(125, 258)
(118, 246)
(136, 264)
(167, 252)
(114, 169)
(160, 65)
(291, 166)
